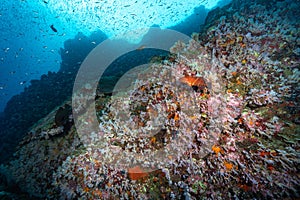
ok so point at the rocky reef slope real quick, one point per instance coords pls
(240, 140)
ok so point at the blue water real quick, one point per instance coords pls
(30, 48)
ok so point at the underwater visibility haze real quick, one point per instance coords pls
(162, 99)
(33, 32)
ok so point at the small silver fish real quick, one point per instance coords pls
(22, 82)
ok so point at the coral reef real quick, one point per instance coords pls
(44, 95)
(224, 126)
(255, 155)
(41, 152)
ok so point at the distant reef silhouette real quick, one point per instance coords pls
(42, 96)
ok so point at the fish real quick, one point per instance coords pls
(136, 173)
(141, 47)
(193, 81)
(53, 29)
(22, 82)
(197, 83)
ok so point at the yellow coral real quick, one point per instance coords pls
(216, 149)
(228, 165)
